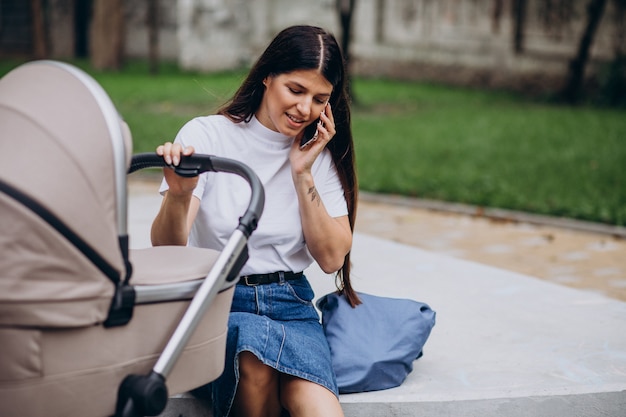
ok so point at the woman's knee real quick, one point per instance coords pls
(305, 398)
(257, 393)
(254, 372)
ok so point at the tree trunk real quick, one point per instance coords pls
(345, 8)
(496, 15)
(153, 35)
(107, 34)
(40, 47)
(573, 86)
(519, 22)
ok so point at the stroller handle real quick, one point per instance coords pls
(196, 164)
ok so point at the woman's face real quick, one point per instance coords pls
(293, 100)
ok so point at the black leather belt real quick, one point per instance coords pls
(260, 279)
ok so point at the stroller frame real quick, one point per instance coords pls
(146, 395)
(138, 394)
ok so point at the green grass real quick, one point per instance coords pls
(156, 107)
(486, 148)
(491, 149)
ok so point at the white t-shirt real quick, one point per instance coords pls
(278, 242)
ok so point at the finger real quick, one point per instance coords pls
(166, 152)
(328, 112)
(328, 130)
(329, 136)
(177, 151)
(180, 150)
(329, 122)
(160, 150)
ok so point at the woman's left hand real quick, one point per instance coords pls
(302, 159)
(328, 239)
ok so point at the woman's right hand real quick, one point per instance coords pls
(171, 153)
(178, 210)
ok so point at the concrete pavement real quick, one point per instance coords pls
(573, 253)
(506, 343)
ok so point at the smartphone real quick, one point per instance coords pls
(310, 133)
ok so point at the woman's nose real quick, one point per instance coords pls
(304, 106)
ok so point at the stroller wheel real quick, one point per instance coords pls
(141, 395)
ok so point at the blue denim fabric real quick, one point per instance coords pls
(279, 324)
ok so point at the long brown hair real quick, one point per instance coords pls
(303, 48)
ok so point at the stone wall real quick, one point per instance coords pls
(465, 41)
(223, 34)
(460, 41)
(136, 12)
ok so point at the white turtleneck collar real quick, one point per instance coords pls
(268, 136)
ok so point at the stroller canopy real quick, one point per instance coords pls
(63, 198)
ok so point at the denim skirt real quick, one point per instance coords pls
(279, 325)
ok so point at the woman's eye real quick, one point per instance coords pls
(320, 101)
(294, 91)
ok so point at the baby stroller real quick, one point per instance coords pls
(87, 326)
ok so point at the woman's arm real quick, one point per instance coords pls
(329, 239)
(178, 209)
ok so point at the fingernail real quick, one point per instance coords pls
(176, 160)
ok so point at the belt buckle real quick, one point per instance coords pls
(248, 283)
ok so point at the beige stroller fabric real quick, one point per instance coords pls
(65, 147)
(57, 148)
(76, 372)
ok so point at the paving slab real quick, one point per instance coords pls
(568, 252)
(505, 343)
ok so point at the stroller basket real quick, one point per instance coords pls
(89, 327)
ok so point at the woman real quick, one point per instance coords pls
(277, 357)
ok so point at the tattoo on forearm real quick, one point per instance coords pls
(314, 195)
